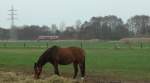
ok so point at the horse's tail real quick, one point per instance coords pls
(84, 65)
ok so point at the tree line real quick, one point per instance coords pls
(105, 28)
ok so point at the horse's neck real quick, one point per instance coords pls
(41, 61)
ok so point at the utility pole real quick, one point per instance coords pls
(13, 35)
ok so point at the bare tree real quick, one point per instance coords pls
(139, 24)
(78, 25)
(62, 26)
(54, 29)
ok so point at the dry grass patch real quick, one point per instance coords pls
(11, 77)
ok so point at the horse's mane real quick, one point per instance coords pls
(48, 54)
(53, 50)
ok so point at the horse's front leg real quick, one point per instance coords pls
(75, 65)
(56, 70)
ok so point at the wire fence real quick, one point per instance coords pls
(78, 43)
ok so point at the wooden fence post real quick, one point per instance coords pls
(24, 44)
(47, 44)
(141, 45)
(81, 44)
(5, 45)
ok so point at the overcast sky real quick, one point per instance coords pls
(47, 12)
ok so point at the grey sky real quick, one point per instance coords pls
(47, 12)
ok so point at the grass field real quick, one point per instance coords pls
(103, 60)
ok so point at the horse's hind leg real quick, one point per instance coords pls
(75, 65)
(82, 70)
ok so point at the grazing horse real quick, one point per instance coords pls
(63, 56)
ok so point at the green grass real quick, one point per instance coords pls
(122, 63)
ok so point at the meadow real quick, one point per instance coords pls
(104, 59)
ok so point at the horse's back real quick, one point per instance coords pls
(64, 56)
(70, 54)
(78, 53)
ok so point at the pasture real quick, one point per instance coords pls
(104, 60)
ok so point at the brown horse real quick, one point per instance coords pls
(63, 56)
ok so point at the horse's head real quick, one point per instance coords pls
(44, 58)
(37, 70)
